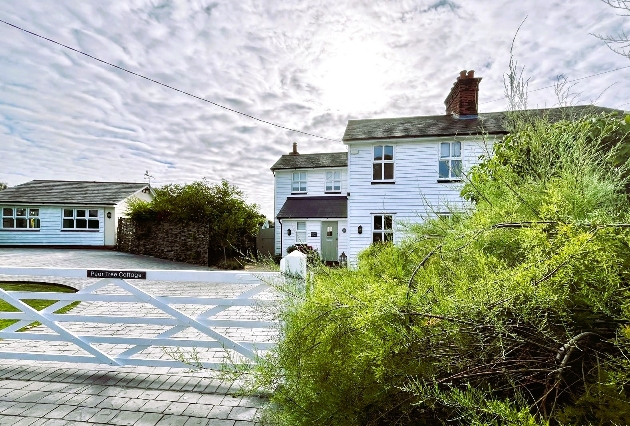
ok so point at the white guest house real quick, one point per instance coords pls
(65, 213)
(396, 171)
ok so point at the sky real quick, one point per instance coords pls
(304, 65)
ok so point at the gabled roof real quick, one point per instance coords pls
(448, 125)
(70, 192)
(314, 207)
(308, 161)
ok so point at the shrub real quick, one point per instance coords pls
(230, 264)
(516, 313)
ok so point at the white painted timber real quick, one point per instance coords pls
(294, 264)
(204, 322)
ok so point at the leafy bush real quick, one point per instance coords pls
(232, 222)
(515, 313)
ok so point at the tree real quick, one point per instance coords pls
(232, 222)
(3, 186)
(619, 43)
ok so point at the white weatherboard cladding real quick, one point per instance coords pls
(413, 197)
(314, 225)
(315, 186)
(50, 232)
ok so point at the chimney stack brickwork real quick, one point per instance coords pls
(464, 96)
(295, 151)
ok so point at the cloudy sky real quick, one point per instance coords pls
(307, 65)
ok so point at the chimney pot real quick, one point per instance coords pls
(471, 74)
(462, 74)
(295, 151)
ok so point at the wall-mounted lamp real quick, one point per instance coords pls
(360, 229)
(109, 215)
(343, 230)
(343, 259)
(289, 231)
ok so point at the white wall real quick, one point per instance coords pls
(50, 232)
(314, 225)
(315, 186)
(413, 197)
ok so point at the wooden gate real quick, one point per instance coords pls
(99, 339)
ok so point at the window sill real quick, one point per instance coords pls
(332, 192)
(299, 193)
(19, 230)
(451, 180)
(383, 182)
(80, 230)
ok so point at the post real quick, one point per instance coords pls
(294, 264)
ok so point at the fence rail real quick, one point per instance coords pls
(167, 315)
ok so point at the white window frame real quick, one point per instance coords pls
(386, 234)
(30, 217)
(78, 218)
(301, 181)
(333, 183)
(300, 234)
(383, 163)
(454, 173)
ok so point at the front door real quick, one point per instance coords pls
(329, 241)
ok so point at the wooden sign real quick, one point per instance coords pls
(123, 275)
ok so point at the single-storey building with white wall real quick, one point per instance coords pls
(65, 213)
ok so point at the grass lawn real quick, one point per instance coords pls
(33, 303)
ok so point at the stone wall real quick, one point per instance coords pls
(165, 240)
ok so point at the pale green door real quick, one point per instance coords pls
(329, 241)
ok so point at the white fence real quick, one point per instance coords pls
(122, 338)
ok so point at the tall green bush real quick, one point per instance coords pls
(514, 313)
(232, 223)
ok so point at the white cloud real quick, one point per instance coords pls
(307, 65)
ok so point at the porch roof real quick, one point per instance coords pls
(321, 207)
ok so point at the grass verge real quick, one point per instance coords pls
(38, 304)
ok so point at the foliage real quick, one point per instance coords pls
(313, 257)
(230, 264)
(3, 186)
(37, 304)
(515, 313)
(232, 222)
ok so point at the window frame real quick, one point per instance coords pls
(449, 159)
(383, 231)
(332, 182)
(300, 232)
(383, 162)
(299, 181)
(30, 217)
(87, 217)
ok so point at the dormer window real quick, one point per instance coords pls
(383, 163)
(450, 163)
(333, 181)
(298, 182)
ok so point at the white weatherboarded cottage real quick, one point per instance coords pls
(397, 171)
(65, 213)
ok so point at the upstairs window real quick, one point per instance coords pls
(298, 182)
(20, 218)
(383, 230)
(80, 219)
(383, 164)
(300, 235)
(450, 166)
(333, 181)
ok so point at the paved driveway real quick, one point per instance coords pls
(59, 393)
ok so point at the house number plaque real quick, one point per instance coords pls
(123, 275)
(313, 234)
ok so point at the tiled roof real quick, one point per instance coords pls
(305, 161)
(70, 192)
(314, 207)
(447, 125)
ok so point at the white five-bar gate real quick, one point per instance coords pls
(121, 324)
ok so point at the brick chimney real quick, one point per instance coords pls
(463, 100)
(294, 152)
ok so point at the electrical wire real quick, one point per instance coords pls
(570, 81)
(166, 85)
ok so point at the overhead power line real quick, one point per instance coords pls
(166, 85)
(569, 81)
